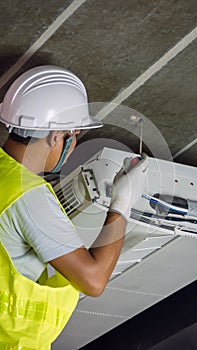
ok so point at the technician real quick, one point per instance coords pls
(44, 110)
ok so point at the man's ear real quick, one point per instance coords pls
(54, 137)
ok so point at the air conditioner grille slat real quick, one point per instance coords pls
(67, 198)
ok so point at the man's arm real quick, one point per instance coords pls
(90, 270)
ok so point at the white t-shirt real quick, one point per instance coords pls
(34, 230)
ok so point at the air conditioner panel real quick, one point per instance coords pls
(155, 261)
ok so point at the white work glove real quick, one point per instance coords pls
(128, 185)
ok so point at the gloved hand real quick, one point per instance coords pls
(128, 185)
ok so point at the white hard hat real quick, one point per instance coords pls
(47, 98)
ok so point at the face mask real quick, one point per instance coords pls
(61, 161)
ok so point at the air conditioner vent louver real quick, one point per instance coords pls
(68, 198)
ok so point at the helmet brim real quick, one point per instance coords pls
(91, 124)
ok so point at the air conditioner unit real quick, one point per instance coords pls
(159, 245)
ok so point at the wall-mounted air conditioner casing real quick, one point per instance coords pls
(159, 254)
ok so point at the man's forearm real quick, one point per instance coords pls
(107, 247)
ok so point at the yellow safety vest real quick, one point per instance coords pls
(31, 315)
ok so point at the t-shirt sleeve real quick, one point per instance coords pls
(44, 226)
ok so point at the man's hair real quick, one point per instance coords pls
(22, 140)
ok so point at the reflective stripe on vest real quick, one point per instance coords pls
(31, 315)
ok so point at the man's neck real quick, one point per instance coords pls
(28, 155)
